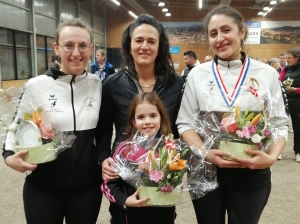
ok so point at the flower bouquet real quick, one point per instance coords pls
(156, 166)
(32, 130)
(243, 130)
(288, 83)
(9, 100)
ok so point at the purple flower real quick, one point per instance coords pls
(252, 129)
(267, 132)
(259, 145)
(167, 189)
(156, 175)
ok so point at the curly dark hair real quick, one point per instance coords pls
(163, 61)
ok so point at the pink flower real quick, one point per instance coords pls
(252, 129)
(170, 144)
(244, 133)
(167, 189)
(267, 132)
(229, 125)
(46, 130)
(156, 175)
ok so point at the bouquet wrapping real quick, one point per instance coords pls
(156, 166)
(201, 177)
(34, 130)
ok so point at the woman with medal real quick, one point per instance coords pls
(219, 85)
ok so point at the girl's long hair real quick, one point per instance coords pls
(153, 99)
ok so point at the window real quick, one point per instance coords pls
(15, 58)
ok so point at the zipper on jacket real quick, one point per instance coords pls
(74, 120)
(72, 101)
(136, 84)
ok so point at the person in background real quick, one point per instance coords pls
(283, 60)
(275, 63)
(208, 58)
(67, 188)
(263, 60)
(292, 71)
(55, 61)
(190, 59)
(244, 184)
(147, 67)
(101, 67)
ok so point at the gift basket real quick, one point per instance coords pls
(156, 166)
(31, 128)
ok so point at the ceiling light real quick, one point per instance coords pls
(116, 2)
(270, 9)
(273, 2)
(200, 4)
(165, 10)
(132, 14)
(260, 13)
(161, 4)
(265, 14)
(168, 14)
(266, 8)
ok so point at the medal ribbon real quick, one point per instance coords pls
(229, 99)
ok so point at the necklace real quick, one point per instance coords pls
(147, 87)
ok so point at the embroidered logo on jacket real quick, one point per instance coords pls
(89, 103)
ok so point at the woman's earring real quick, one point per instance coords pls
(208, 51)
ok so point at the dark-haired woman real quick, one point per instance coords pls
(147, 67)
(292, 71)
(244, 184)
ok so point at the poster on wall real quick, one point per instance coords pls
(280, 32)
(184, 32)
(253, 32)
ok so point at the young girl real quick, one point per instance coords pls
(147, 115)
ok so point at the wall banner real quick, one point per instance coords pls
(254, 32)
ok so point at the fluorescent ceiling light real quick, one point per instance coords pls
(168, 14)
(200, 4)
(270, 9)
(165, 10)
(266, 8)
(161, 4)
(273, 2)
(132, 14)
(265, 14)
(116, 2)
(260, 13)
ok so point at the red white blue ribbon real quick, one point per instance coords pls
(229, 98)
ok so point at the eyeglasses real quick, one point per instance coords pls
(68, 46)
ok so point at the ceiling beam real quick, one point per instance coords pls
(136, 6)
(225, 2)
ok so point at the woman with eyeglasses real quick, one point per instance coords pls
(68, 187)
